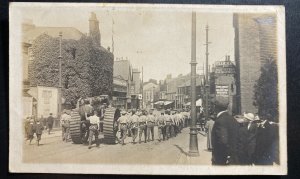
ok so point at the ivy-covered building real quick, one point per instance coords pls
(87, 67)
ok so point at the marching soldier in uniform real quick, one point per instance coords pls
(168, 123)
(179, 122)
(142, 126)
(128, 115)
(150, 122)
(161, 126)
(134, 125)
(123, 126)
(175, 123)
(172, 126)
(93, 128)
(65, 125)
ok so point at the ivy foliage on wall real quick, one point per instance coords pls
(266, 92)
(87, 70)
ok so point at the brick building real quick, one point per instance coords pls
(255, 42)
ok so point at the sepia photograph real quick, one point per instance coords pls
(147, 89)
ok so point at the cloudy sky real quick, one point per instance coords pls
(157, 39)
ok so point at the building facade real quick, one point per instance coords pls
(150, 94)
(184, 91)
(255, 42)
(120, 92)
(85, 73)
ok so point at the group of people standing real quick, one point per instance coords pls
(141, 123)
(242, 140)
(36, 126)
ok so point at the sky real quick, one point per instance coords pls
(159, 40)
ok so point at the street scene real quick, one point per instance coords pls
(150, 87)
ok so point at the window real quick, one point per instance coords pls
(46, 95)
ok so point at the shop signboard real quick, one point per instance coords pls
(222, 90)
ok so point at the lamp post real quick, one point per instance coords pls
(59, 85)
(206, 79)
(193, 148)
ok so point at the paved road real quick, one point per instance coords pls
(174, 151)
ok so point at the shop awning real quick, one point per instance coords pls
(168, 102)
(159, 102)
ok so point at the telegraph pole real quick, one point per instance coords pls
(193, 148)
(206, 79)
(112, 37)
(59, 85)
(142, 87)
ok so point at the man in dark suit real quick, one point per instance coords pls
(50, 121)
(224, 137)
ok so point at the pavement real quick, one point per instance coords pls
(172, 152)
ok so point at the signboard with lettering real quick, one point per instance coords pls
(223, 64)
(222, 90)
(227, 70)
(224, 67)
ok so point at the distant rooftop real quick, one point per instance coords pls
(67, 33)
(122, 68)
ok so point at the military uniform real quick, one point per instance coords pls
(161, 127)
(93, 129)
(143, 127)
(134, 126)
(65, 125)
(168, 122)
(172, 126)
(177, 123)
(123, 127)
(150, 126)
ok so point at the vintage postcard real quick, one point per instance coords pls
(147, 89)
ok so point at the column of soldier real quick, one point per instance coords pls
(141, 123)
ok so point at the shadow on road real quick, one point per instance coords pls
(181, 150)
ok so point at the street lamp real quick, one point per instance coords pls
(193, 148)
(59, 85)
(206, 79)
